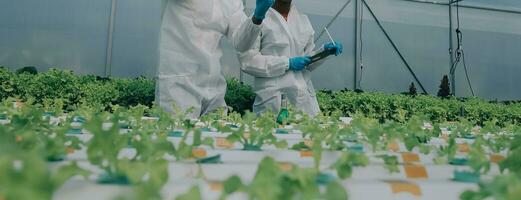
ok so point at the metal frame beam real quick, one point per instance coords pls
(110, 39)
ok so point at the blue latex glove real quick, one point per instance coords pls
(262, 7)
(336, 48)
(299, 63)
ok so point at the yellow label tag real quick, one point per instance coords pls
(223, 143)
(394, 146)
(405, 187)
(306, 154)
(216, 186)
(409, 157)
(285, 166)
(198, 153)
(496, 158)
(463, 148)
(416, 171)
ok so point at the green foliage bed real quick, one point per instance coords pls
(102, 92)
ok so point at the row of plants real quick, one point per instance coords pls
(98, 91)
(398, 107)
(104, 92)
(30, 139)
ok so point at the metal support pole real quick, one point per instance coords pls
(108, 61)
(358, 6)
(394, 46)
(453, 60)
(451, 50)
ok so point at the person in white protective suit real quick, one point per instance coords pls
(280, 60)
(189, 73)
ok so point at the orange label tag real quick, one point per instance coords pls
(416, 171)
(405, 187)
(69, 150)
(394, 146)
(216, 186)
(285, 166)
(19, 138)
(198, 153)
(223, 143)
(409, 157)
(463, 148)
(306, 154)
(495, 158)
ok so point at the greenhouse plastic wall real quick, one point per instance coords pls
(75, 35)
(54, 33)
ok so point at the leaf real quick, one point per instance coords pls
(66, 172)
(193, 194)
(335, 191)
(232, 184)
(281, 144)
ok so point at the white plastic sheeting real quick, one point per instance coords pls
(74, 35)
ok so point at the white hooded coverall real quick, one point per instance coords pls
(268, 62)
(189, 72)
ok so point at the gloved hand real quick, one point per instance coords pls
(262, 7)
(336, 48)
(299, 63)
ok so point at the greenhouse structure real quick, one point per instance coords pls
(260, 99)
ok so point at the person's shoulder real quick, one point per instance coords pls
(301, 14)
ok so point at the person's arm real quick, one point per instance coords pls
(258, 65)
(242, 30)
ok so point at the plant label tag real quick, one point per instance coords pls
(415, 171)
(496, 158)
(223, 143)
(70, 150)
(306, 154)
(409, 157)
(463, 148)
(405, 187)
(216, 186)
(285, 166)
(198, 153)
(394, 146)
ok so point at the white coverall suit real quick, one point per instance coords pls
(268, 62)
(189, 72)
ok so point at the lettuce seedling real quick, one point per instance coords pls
(344, 165)
(26, 176)
(271, 183)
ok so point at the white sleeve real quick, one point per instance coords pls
(258, 65)
(242, 32)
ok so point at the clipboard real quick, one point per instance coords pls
(317, 57)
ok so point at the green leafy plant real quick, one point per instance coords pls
(26, 176)
(390, 163)
(344, 165)
(505, 187)
(271, 183)
(254, 132)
